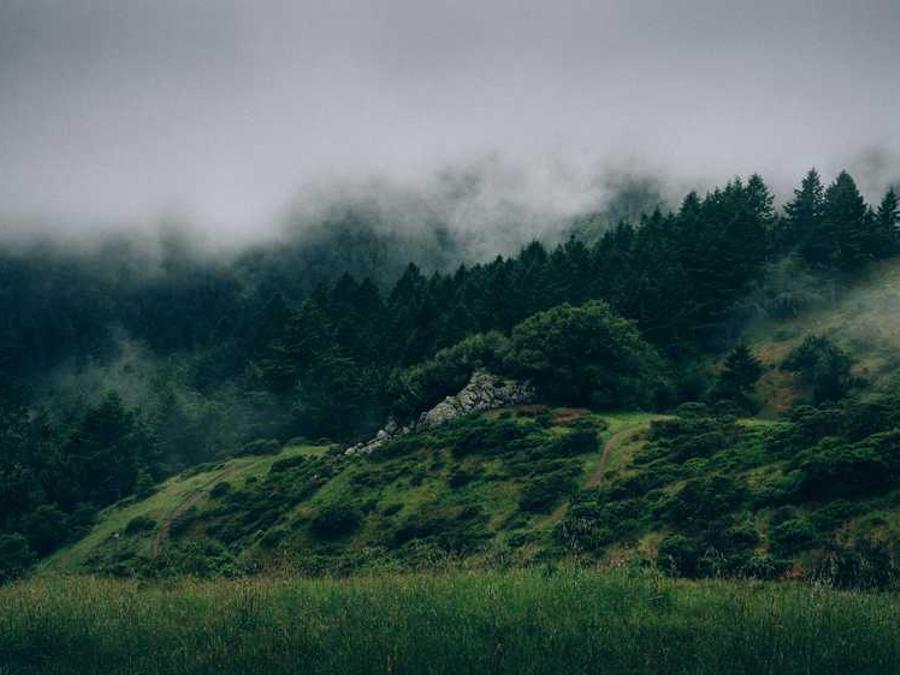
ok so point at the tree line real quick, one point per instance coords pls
(249, 350)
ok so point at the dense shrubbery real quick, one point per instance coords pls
(334, 522)
(757, 500)
(542, 493)
(456, 530)
(139, 524)
(835, 468)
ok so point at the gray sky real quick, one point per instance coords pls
(122, 112)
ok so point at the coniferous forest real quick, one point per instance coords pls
(191, 360)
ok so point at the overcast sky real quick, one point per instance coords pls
(123, 111)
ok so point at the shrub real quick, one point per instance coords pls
(692, 409)
(835, 513)
(281, 465)
(701, 445)
(220, 489)
(679, 555)
(545, 492)
(451, 530)
(262, 446)
(397, 447)
(576, 442)
(272, 538)
(702, 499)
(183, 521)
(792, 536)
(740, 536)
(863, 565)
(334, 522)
(461, 477)
(489, 437)
(46, 528)
(837, 469)
(139, 524)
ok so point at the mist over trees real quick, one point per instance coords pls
(327, 339)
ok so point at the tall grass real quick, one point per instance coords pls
(530, 621)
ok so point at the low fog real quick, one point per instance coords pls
(239, 118)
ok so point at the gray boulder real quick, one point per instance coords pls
(484, 391)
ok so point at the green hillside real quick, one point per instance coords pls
(699, 494)
(808, 493)
(422, 497)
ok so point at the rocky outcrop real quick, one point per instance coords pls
(483, 392)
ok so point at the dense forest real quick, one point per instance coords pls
(120, 370)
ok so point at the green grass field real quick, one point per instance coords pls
(552, 620)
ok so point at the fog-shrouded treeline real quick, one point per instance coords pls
(118, 372)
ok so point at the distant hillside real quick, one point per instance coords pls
(864, 320)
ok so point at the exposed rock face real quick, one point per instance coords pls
(483, 392)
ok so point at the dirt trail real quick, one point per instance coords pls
(596, 476)
(196, 495)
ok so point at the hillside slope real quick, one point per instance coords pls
(479, 486)
(864, 320)
(699, 494)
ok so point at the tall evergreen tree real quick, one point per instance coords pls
(803, 221)
(887, 222)
(846, 225)
(738, 377)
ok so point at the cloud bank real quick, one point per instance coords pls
(228, 115)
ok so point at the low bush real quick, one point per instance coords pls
(489, 438)
(220, 489)
(679, 555)
(577, 442)
(835, 468)
(461, 477)
(792, 536)
(139, 524)
(334, 522)
(281, 465)
(543, 493)
(262, 446)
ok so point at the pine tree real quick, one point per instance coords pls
(887, 222)
(742, 369)
(804, 219)
(760, 200)
(738, 378)
(846, 226)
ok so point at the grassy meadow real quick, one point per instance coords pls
(550, 620)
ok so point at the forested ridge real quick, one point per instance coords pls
(227, 355)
